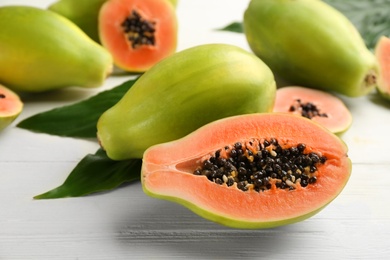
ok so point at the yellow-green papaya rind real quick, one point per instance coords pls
(231, 222)
(10, 107)
(41, 50)
(6, 121)
(174, 2)
(183, 92)
(84, 13)
(309, 43)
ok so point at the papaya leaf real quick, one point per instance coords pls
(79, 119)
(233, 27)
(370, 17)
(95, 173)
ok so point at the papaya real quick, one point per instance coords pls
(138, 33)
(319, 106)
(10, 106)
(183, 92)
(50, 53)
(84, 13)
(382, 53)
(250, 171)
(309, 43)
(174, 2)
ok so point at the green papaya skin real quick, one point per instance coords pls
(84, 13)
(174, 2)
(41, 51)
(183, 92)
(309, 43)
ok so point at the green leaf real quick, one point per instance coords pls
(370, 17)
(95, 173)
(233, 27)
(79, 119)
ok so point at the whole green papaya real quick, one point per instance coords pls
(41, 50)
(309, 43)
(84, 13)
(183, 92)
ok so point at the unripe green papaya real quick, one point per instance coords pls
(84, 13)
(309, 43)
(41, 50)
(183, 92)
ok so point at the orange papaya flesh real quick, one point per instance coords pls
(168, 171)
(319, 106)
(138, 33)
(10, 106)
(382, 53)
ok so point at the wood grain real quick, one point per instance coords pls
(127, 224)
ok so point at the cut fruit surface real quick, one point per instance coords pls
(168, 170)
(382, 53)
(319, 106)
(10, 106)
(138, 33)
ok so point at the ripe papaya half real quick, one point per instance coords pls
(84, 13)
(41, 50)
(138, 33)
(317, 105)
(311, 44)
(250, 171)
(183, 92)
(382, 52)
(10, 107)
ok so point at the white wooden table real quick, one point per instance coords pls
(127, 224)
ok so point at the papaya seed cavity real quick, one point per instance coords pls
(308, 109)
(261, 164)
(138, 30)
(2, 95)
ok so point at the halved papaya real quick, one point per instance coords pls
(317, 105)
(250, 171)
(138, 33)
(10, 107)
(382, 53)
(83, 13)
